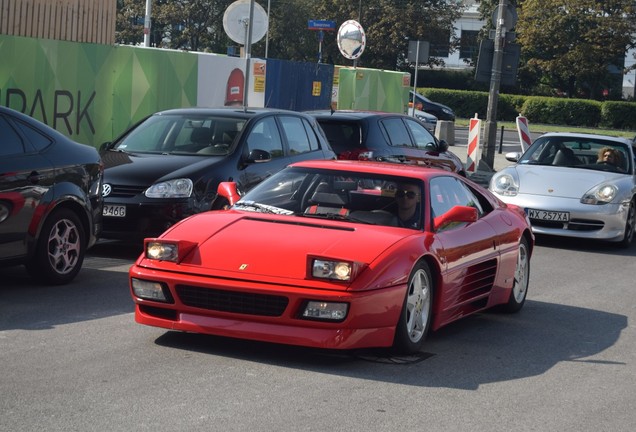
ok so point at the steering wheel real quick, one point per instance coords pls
(311, 184)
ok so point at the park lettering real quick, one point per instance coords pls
(67, 111)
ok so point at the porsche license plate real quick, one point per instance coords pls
(546, 215)
(114, 211)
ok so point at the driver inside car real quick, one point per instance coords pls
(407, 198)
(608, 155)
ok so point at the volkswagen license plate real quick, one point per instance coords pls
(546, 215)
(114, 211)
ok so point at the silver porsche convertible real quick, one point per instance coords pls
(574, 185)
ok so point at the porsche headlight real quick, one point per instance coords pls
(504, 184)
(599, 195)
(177, 188)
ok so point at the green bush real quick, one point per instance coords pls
(618, 115)
(571, 112)
(538, 109)
(468, 103)
(464, 103)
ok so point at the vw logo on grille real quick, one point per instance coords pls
(106, 189)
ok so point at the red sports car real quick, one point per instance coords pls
(338, 254)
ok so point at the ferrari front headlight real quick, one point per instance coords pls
(327, 269)
(177, 188)
(600, 195)
(167, 250)
(162, 251)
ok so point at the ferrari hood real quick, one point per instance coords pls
(253, 245)
(559, 181)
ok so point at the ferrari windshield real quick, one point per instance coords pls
(342, 195)
(579, 152)
(181, 134)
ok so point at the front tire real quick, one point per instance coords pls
(415, 318)
(628, 237)
(519, 289)
(60, 249)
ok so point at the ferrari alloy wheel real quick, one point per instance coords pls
(630, 223)
(416, 312)
(60, 250)
(521, 279)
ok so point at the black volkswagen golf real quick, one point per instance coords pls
(168, 166)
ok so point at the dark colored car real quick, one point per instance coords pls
(442, 112)
(391, 137)
(50, 200)
(168, 166)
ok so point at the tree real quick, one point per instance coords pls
(572, 47)
(577, 44)
(288, 37)
(129, 26)
(390, 24)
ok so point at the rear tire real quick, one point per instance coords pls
(60, 249)
(415, 318)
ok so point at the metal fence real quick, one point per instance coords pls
(91, 21)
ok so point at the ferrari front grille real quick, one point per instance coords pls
(232, 301)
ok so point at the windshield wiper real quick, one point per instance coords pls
(262, 208)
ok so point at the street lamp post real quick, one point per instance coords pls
(147, 23)
(490, 129)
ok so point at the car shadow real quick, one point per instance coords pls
(481, 349)
(100, 290)
(584, 245)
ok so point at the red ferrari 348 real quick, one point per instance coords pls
(338, 254)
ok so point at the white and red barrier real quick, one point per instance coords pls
(524, 132)
(474, 128)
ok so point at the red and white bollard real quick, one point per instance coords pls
(524, 132)
(474, 129)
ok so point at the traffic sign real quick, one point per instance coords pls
(321, 25)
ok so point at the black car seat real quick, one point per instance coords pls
(201, 136)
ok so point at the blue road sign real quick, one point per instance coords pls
(321, 25)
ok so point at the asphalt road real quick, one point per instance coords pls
(72, 359)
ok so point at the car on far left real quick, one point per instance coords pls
(50, 198)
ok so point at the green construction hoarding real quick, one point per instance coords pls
(93, 92)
